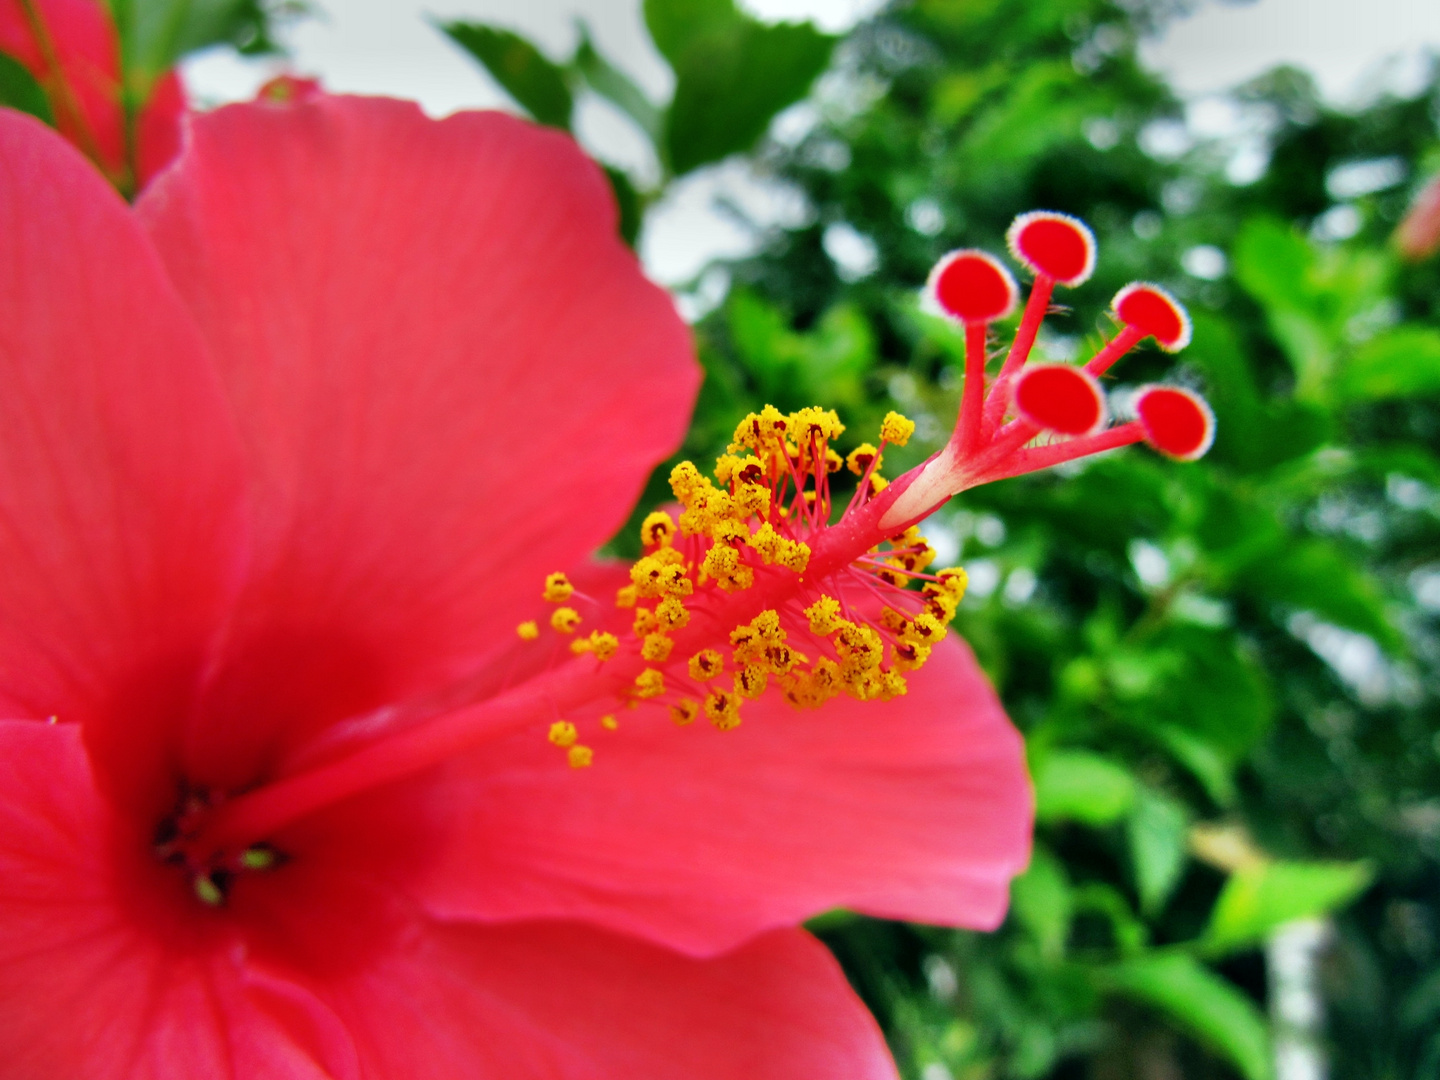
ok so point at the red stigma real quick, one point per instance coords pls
(1176, 422)
(1060, 398)
(1152, 310)
(973, 287)
(1054, 245)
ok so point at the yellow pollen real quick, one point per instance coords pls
(580, 756)
(833, 461)
(565, 620)
(705, 665)
(603, 644)
(824, 616)
(563, 733)
(723, 709)
(581, 646)
(684, 711)
(896, 429)
(877, 484)
(557, 588)
(626, 596)
(657, 530)
(860, 458)
(649, 683)
(751, 680)
(645, 622)
(656, 648)
(609, 723)
(670, 614)
(527, 630)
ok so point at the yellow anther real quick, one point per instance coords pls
(943, 597)
(925, 629)
(893, 621)
(751, 641)
(860, 648)
(670, 614)
(684, 711)
(750, 499)
(657, 530)
(721, 562)
(581, 646)
(685, 480)
(860, 458)
(675, 582)
(565, 620)
(814, 422)
(767, 625)
(766, 542)
(739, 581)
(563, 733)
(656, 648)
(762, 432)
(723, 709)
(910, 657)
(896, 429)
(877, 484)
(626, 596)
(649, 683)
(794, 555)
(781, 657)
(892, 685)
(645, 575)
(609, 723)
(603, 644)
(833, 461)
(580, 756)
(705, 665)
(824, 616)
(557, 588)
(645, 622)
(751, 680)
(528, 630)
(728, 466)
(866, 685)
(729, 532)
(825, 679)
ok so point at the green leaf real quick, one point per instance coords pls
(733, 74)
(1403, 362)
(1040, 901)
(1081, 786)
(1202, 1003)
(19, 90)
(1258, 899)
(627, 199)
(156, 33)
(1156, 830)
(1314, 575)
(616, 87)
(538, 85)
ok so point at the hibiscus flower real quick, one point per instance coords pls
(286, 454)
(71, 49)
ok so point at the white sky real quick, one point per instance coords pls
(388, 47)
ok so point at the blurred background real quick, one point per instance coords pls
(1227, 673)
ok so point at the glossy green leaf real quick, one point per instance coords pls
(1078, 785)
(537, 84)
(19, 90)
(733, 74)
(1156, 830)
(1202, 1003)
(1258, 899)
(1314, 575)
(1403, 362)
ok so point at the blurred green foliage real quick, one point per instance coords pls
(1225, 672)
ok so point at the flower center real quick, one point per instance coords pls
(210, 873)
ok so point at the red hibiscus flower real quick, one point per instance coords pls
(286, 453)
(72, 50)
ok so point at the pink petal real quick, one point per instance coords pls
(451, 376)
(917, 808)
(87, 992)
(119, 476)
(565, 1002)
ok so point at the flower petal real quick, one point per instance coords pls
(120, 479)
(561, 1000)
(86, 992)
(916, 808)
(451, 376)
